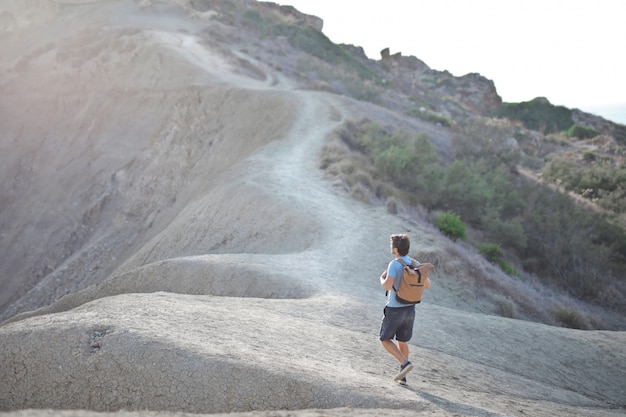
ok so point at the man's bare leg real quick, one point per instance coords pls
(401, 353)
(403, 347)
(395, 351)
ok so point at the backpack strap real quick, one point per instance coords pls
(404, 265)
(396, 280)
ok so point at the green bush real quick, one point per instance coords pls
(589, 156)
(507, 268)
(451, 226)
(507, 232)
(565, 245)
(431, 117)
(538, 114)
(465, 190)
(491, 251)
(581, 132)
(406, 161)
(253, 19)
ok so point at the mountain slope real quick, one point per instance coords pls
(169, 243)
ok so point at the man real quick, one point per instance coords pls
(398, 318)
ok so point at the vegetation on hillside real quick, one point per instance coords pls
(538, 227)
(308, 40)
(538, 114)
(594, 178)
(542, 116)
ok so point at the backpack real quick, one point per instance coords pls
(412, 284)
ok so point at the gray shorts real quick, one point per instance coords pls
(398, 323)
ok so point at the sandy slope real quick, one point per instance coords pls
(211, 277)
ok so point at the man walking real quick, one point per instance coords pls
(398, 318)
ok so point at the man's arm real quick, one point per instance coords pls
(386, 282)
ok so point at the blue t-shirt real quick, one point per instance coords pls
(394, 269)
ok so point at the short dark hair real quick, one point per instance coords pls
(402, 243)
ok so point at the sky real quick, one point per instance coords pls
(573, 52)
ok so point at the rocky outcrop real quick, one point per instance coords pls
(475, 93)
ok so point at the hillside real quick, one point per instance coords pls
(170, 244)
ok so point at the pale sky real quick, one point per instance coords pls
(572, 52)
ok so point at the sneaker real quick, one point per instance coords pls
(404, 369)
(403, 380)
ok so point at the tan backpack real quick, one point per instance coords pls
(413, 283)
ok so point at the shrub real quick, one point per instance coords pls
(491, 251)
(567, 242)
(507, 232)
(392, 205)
(253, 19)
(489, 142)
(465, 191)
(538, 114)
(507, 268)
(399, 158)
(581, 132)
(360, 192)
(570, 318)
(505, 308)
(589, 156)
(331, 154)
(451, 225)
(431, 117)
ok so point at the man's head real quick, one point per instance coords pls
(401, 242)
